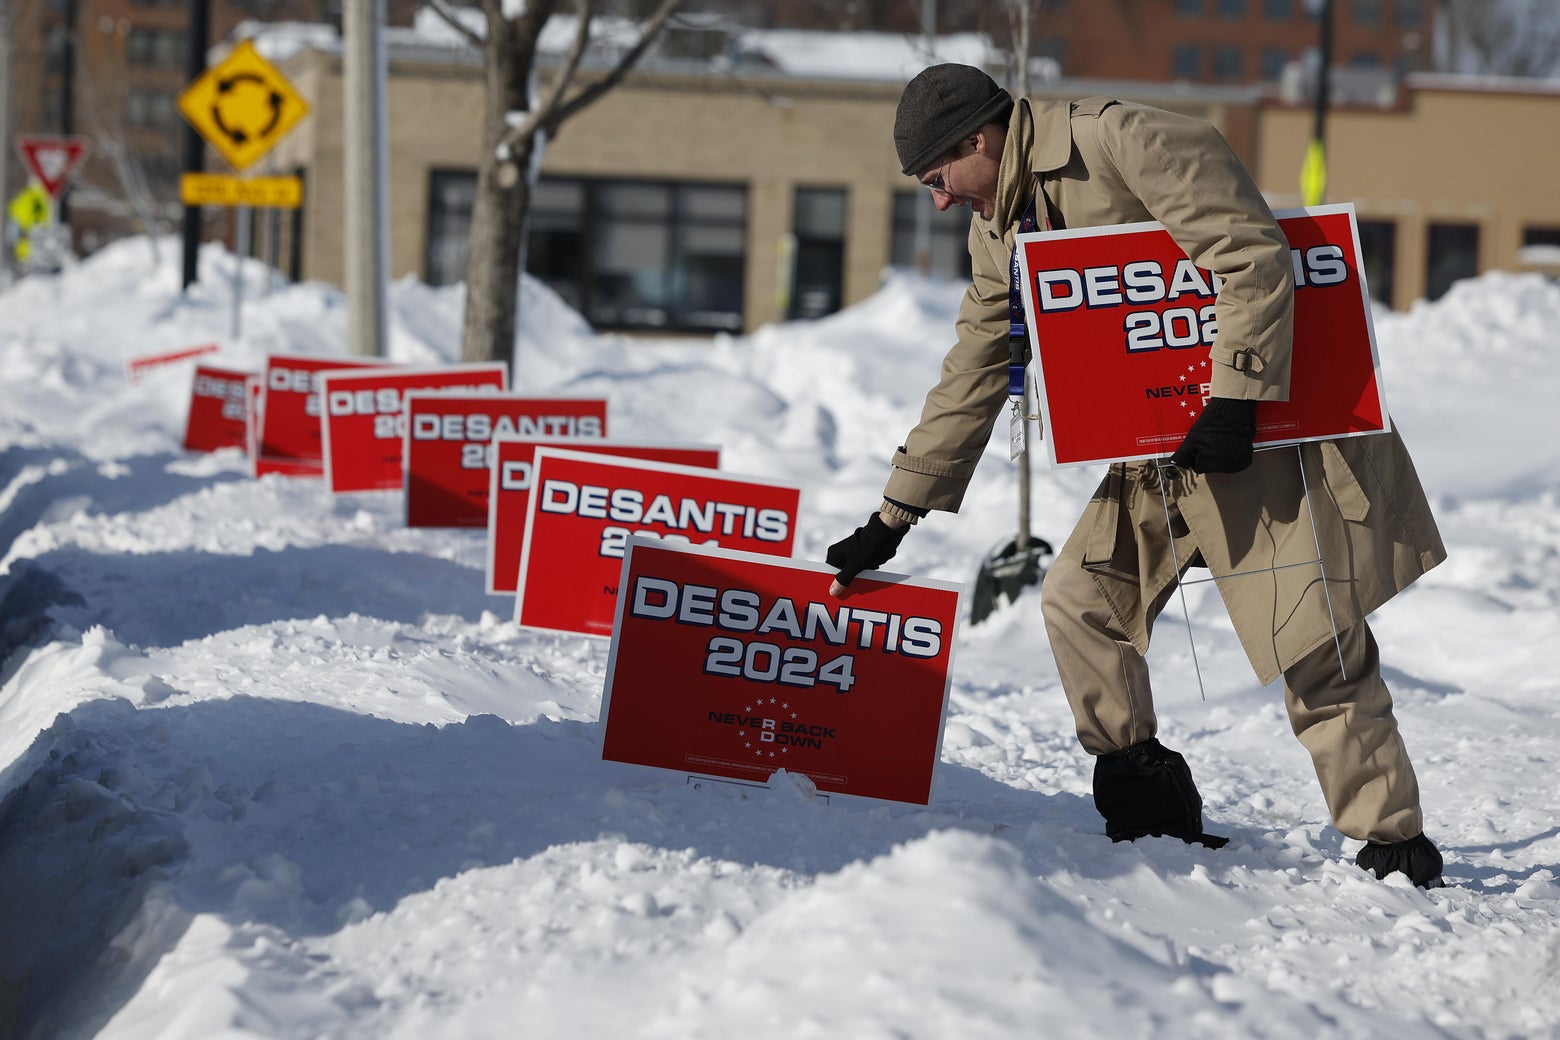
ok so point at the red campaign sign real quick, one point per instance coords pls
(585, 507)
(1120, 325)
(509, 490)
(52, 161)
(734, 665)
(449, 443)
(290, 440)
(365, 418)
(136, 367)
(219, 409)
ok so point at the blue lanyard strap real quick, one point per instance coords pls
(1017, 333)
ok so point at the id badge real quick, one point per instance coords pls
(1015, 433)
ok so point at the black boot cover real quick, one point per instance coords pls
(1147, 789)
(1417, 857)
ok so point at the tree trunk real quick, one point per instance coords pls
(498, 211)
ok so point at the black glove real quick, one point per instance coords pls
(1220, 438)
(868, 548)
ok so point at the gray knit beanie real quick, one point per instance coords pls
(939, 107)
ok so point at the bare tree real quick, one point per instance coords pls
(513, 134)
(1501, 37)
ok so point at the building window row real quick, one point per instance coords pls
(163, 48)
(1369, 14)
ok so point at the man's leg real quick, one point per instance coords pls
(1348, 727)
(1141, 788)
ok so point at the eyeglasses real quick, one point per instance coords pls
(938, 185)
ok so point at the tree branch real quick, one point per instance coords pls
(586, 11)
(447, 13)
(652, 29)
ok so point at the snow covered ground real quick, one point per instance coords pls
(273, 765)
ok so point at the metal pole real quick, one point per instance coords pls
(367, 215)
(923, 205)
(5, 136)
(194, 147)
(67, 100)
(240, 254)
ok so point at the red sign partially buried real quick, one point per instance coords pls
(584, 508)
(734, 665)
(509, 492)
(365, 419)
(1121, 322)
(219, 409)
(449, 439)
(137, 367)
(291, 441)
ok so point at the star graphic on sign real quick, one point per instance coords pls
(1183, 379)
(1204, 364)
(793, 714)
(747, 743)
(784, 750)
(771, 754)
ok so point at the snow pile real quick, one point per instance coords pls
(272, 765)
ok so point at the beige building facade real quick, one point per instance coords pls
(710, 203)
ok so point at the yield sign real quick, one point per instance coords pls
(53, 160)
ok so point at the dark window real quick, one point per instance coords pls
(642, 254)
(1229, 63)
(1273, 61)
(163, 48)
(1453, 255)
(1366, 13)
(1190, 8)
(818, 265)
(1541, 236)
(1278, 10)
(1365, 60)
(1186, 61)
(1378, 247)
(1411, 13)
(555, 239)
(451, 194)
(150, 108)
(948, 254)
(1231, 8)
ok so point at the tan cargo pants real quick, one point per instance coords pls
(1346, 724)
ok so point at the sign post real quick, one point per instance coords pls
(242, 106)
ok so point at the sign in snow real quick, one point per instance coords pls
(219, 409)
(733, 664)
(365, 421)
(509, 490)
(584, 508)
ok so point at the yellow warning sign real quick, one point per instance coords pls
(224, 189)
(31, 207)
(243, 105)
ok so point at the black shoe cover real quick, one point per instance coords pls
(1417, 857)
(1147, 789)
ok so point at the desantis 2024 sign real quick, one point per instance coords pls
(1121, 322)
(736, 664)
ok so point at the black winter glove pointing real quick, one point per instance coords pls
(868, 548)
(1220, 438)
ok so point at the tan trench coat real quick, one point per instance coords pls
(1099, 162)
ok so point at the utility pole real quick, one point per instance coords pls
(5, 134)
(194, 147)
(1313, 173)
(365, 162)
(923, 203)
(67, 97)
